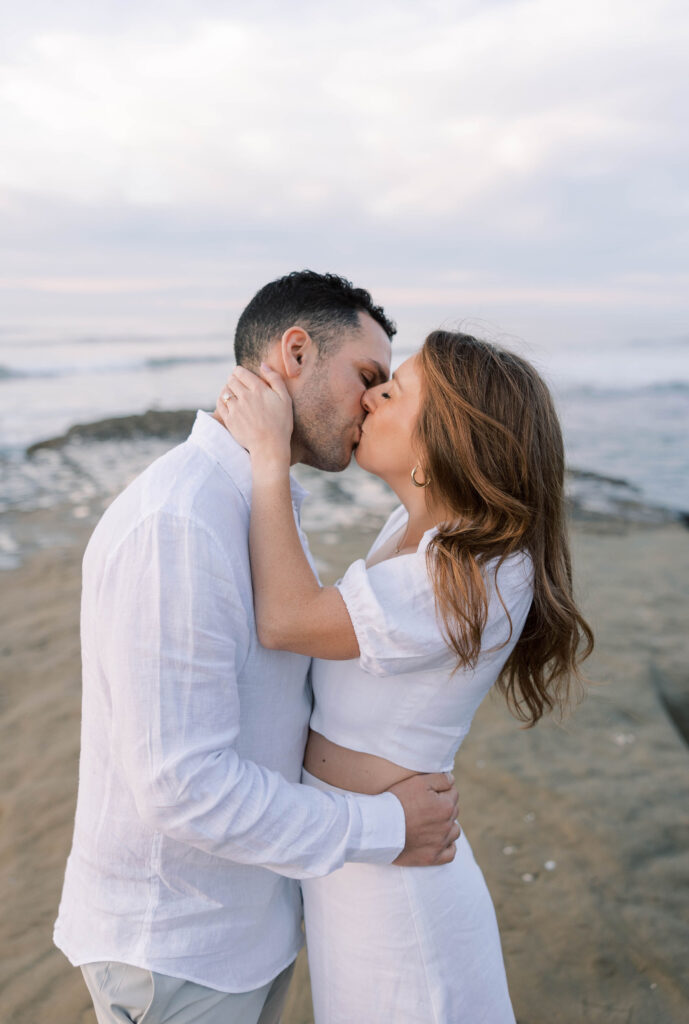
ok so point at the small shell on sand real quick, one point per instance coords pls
(528, 877)
(509, 850)
(530, 816)
(550, 865)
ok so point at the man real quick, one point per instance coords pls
(180, 900)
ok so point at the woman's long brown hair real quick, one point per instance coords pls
(494, 456)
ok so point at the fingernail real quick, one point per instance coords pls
(449, 776)
(264, 366)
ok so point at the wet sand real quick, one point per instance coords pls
(582, 830)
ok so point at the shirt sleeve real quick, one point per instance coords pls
(174, 636)
(392, 608)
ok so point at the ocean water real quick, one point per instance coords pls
(624, 410)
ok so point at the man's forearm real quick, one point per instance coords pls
(248, 814)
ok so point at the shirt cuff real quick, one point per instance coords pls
(382, 829)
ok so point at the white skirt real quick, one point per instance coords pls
(394, 945)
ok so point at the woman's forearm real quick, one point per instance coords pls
(284, 584)
(293, 612)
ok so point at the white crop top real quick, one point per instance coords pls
(400, 699)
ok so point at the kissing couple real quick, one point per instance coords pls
(253, 741)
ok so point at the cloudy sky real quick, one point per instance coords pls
(524, 162)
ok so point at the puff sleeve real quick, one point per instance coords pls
(392, 608)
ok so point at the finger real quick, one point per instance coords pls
(440, 782)
(450, 806)
(273, 379)
(453, 813)
(230, 379)
(239, 384)
(224, 404)
(447, 855)
(250, 380)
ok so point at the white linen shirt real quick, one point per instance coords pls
(191, 825)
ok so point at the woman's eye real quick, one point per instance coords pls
(384, 394)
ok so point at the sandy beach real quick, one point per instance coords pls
(581, 830)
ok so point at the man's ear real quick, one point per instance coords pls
(297, 351)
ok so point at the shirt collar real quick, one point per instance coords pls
(219, 443)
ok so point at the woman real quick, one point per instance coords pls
(468, 584)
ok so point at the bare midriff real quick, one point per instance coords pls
(351, 769)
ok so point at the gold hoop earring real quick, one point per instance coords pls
(415, 481)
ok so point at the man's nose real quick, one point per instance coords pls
(367, 400)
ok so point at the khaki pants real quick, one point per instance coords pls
(123, 994)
